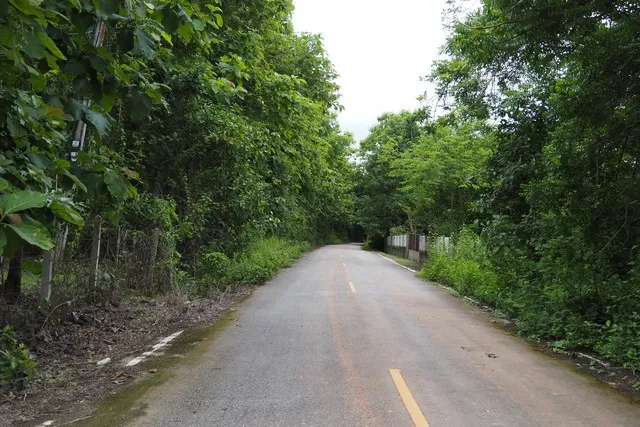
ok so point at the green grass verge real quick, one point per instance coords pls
(402, 261)
(262, 260)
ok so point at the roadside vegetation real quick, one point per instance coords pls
(531, 164)
(402, 261)
(211, 159)
(257, 264)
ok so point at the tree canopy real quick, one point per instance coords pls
(219, 109)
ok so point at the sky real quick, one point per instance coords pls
(380, 49)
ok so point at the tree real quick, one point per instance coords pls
(379, 205)
(442, 175)
(561, 210)
(49, 67)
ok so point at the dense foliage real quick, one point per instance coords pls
(539, 153)
(212, 122)
(421, 173)
(211, 126)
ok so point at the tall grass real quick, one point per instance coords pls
(261, 260)
(466, 268)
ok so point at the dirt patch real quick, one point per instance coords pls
(69, 342)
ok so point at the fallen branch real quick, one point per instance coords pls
(592, 358)
(68, 303)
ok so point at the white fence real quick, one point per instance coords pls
(402, 241)
(399, 241)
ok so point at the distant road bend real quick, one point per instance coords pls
(345, 338)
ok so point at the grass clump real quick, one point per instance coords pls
(466, 268)
(262, 260)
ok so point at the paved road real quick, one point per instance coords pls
(309, 351)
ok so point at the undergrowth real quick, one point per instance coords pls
(262, 260)
(542, 309)
(15, 362)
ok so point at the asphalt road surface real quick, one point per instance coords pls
(346, 338)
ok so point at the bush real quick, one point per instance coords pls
(334, 239)
(262, 260)
(14, 358)
(555, 305)
(468, 271)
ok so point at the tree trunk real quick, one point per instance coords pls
(155, 240)
(61, 244)
(13, 284)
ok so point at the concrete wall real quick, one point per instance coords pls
(399, 246)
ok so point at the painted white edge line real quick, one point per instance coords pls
(389, 259)
(163, 343)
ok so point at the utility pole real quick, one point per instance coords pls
(77, 141)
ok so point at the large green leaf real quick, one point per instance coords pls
(33, 46)
(170, 21)
(27, 8)
(33, 232)
(41, 161)
(75, 108)
(117, 185)
(138, 104)
(143, 43)
(4, 184)
(199, 25)
(74, 67)
(101, 122)
(82, 87)
(21, 200)
(66, 212)
(94, 184)
(51, 45)
(75, 180)
(109, 7)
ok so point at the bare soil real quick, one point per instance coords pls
(68, 340)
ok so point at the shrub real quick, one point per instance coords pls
(333, 239)
(552, 304)
(469, 270)
(14, 358)
(262, 260)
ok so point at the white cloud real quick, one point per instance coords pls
(379, 48)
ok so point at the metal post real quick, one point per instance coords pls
(95, 252)
(77, 142)
(47, 275)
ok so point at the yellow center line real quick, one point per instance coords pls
(353, 288)
(407, 398)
